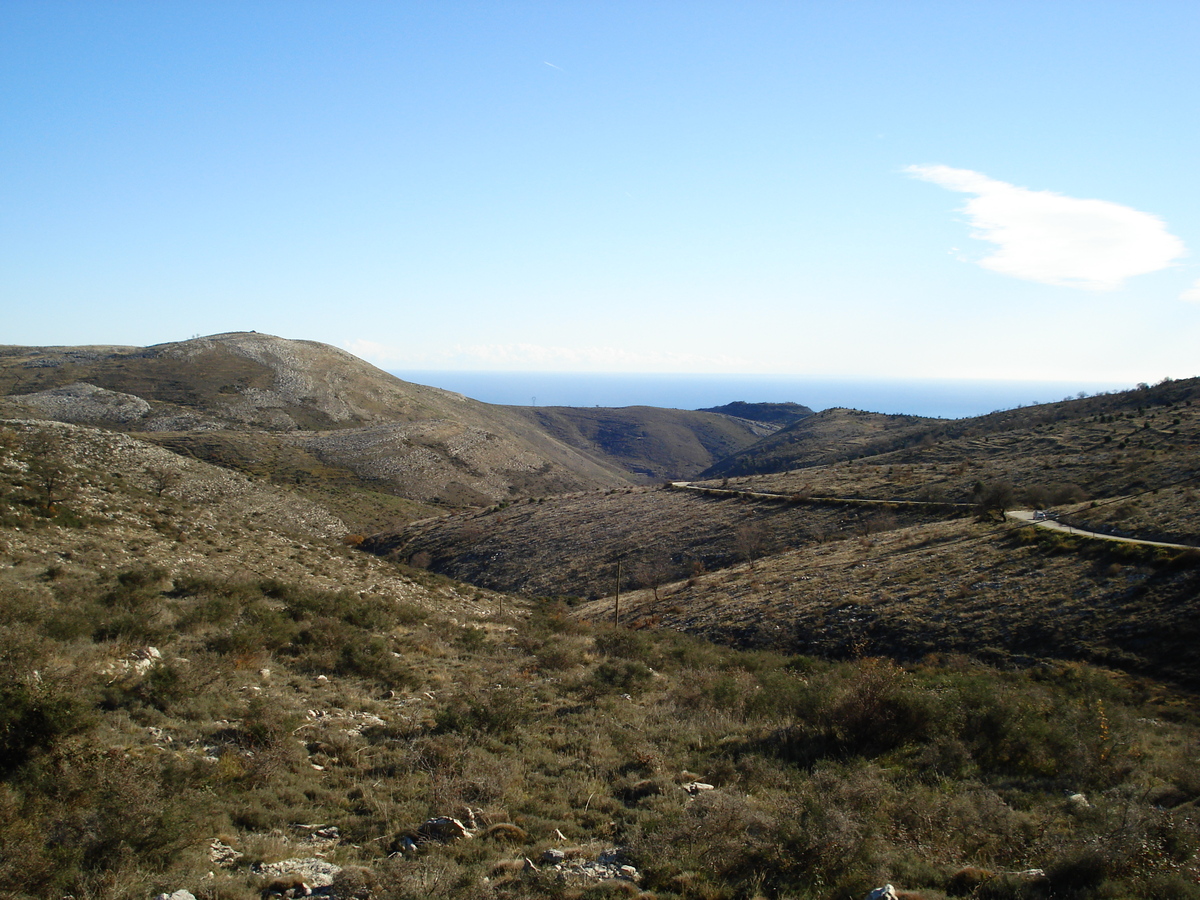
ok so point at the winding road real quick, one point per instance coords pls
(1024, 516)
(1027, 516)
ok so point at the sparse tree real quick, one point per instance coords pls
(162, 478)
(48, 468)
(750, 539)
(653, 571)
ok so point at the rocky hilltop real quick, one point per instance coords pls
(311, 413)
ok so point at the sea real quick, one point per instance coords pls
(936, 398)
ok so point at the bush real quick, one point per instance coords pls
(31, 722)
(617, 677)
(497, 714)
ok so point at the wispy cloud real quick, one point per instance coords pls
(538, 357)
(553, 66)
(1048, 237)
(1192, 294)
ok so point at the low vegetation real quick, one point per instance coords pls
(269, 711)
(807, 690)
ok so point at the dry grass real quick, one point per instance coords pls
(570, 545)
(1000, 593)
(343, 692)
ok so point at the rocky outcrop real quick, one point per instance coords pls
(86, 404)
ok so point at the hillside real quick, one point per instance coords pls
(848, 672)
(206, 688)
(999, 593)
(312, 415)
(654, 444)
(246, 400)
(778, 414)
(1134, 455)
(789, 573)
(570, 545)
(1156, 419)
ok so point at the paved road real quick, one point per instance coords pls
(1026, 515)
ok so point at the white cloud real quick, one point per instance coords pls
(1047, 237)
(1192, 294)
(538, 357)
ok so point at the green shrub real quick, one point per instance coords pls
(499, 713)
(618, 677)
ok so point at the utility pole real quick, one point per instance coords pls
(617, 605)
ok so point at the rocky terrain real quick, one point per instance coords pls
(845, 671)
(245, 400)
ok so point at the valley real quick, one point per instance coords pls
(269, 611)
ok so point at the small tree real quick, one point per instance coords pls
(994, 499)
(162, 478)
(653, 571)
(49, 470)
(750, 539)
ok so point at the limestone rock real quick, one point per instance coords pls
(223, 855)
(444, 829)
(314, 872)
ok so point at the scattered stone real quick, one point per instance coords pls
(142, 660)
(159, 734)
(887, 892)
(608, 866)
(176, 895)
(86, 403)
(443, 829)
(696, 787)
(1079, 801)
(314, 872)
(223, 855)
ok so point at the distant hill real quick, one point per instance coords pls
(1136, 454)
(314, 415)
(249, 400)
(828, 436)
(775, 413)
(646, 441)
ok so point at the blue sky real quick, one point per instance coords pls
(998, 190)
